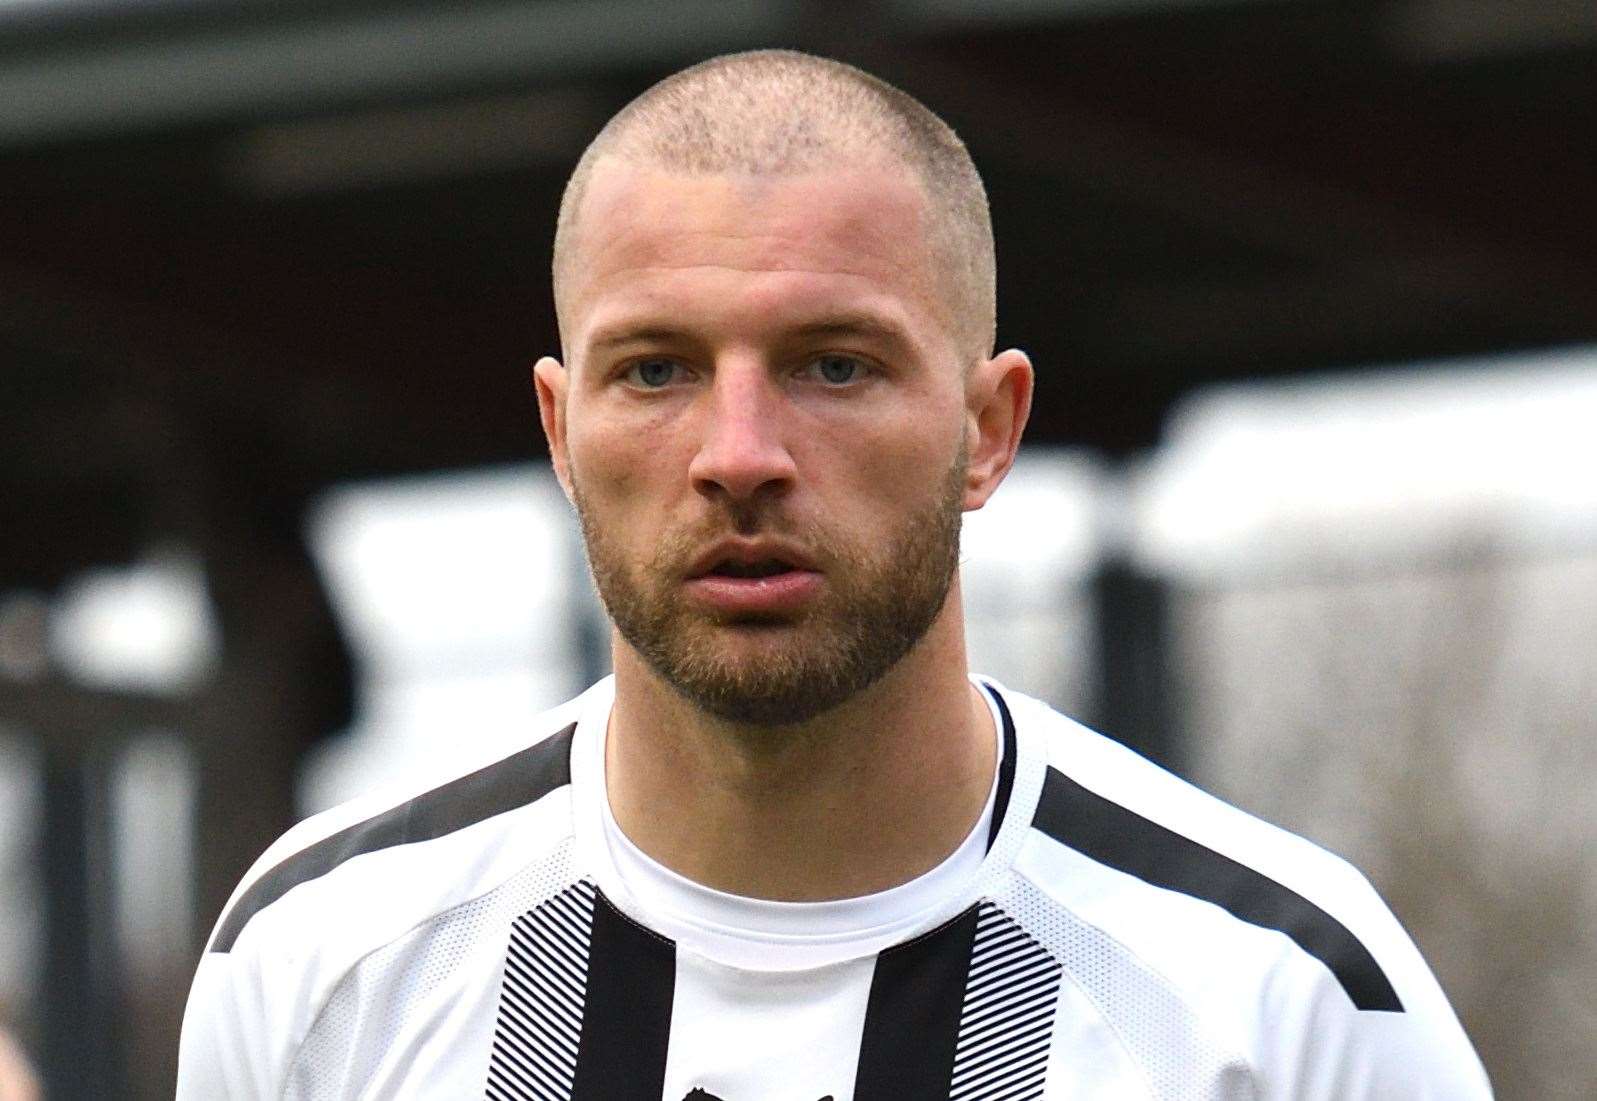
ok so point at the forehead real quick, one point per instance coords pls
(647, 235)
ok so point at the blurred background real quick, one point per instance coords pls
(1308, 508)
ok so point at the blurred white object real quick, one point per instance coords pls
(461, 595)
(145, 627)
(1025, 558)
(446, 570)
(1379, 464)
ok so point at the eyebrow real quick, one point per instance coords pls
(865, 325)
(854, 324)
(644, 334)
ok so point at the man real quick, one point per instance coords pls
(792, 850)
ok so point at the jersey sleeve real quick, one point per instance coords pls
(1316, 1045)
(256, 991)
(229, 1046)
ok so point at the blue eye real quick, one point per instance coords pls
(653, 373)
(838, 369)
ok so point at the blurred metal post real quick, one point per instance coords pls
(81, 1001)
(1133, 704)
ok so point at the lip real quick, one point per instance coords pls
(755, 596)
(778, 594)
(747, 552)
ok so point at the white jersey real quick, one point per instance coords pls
(1123, 936)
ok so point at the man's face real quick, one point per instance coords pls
(763, 426)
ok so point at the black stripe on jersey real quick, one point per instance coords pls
(1123, 839)
(1006, 768)
(534, 1055)
(626, 1014)
(516, 781)
(1006, 1023)
(912, 1014)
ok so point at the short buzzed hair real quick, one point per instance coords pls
(779, 112)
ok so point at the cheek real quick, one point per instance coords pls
(628, 472)
(608, 456)
(892, 462)
(604, 462)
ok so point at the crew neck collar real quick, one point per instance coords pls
(762, 934)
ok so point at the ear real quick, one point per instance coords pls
(549, 380)
(998, 402)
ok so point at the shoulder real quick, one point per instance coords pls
(401, 824)
(1103, 802)
(1278, 944)
(343, 883)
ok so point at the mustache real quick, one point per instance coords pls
(757, 516)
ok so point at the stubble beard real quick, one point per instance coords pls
(875, 606)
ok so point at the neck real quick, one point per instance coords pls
(862, 798)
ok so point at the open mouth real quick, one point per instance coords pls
(750, 585)
(769, 567)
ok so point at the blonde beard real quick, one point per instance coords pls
(874, 610)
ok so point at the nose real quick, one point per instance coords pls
(742, 454)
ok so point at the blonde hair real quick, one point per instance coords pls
(782, 112)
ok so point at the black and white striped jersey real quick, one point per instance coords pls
(1116, 934)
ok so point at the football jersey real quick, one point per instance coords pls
(1108, 931)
